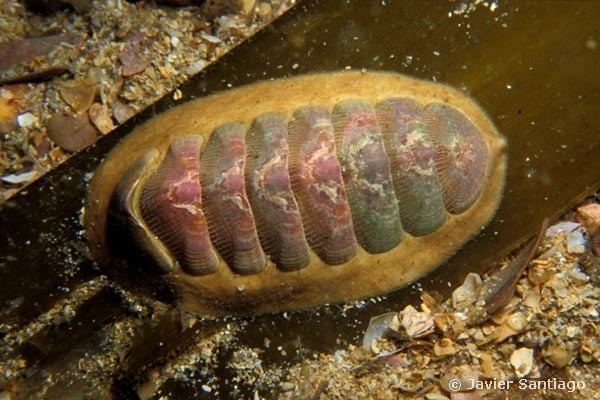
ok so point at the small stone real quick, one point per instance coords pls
(26, 120)
(589, 215)
(538, 274)
(101, 117)
(131, 56)
(41, 144)
(122, 112)
(522, 361)
(286, 386)
(71, 133)
(532, 299)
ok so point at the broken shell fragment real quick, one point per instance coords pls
(444, 347)
(310, 190)
(416, 323)
(522, 361)
(558, 355)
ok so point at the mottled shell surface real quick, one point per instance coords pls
(293, 193)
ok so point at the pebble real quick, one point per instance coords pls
(286, 386)
(26, 120)
(71, 133)
(590, 216)
(131, 56)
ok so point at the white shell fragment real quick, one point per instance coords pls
(19, 178)
(416, 323)
(26, 120)
(467, 293)
(576, 242)
(522, 361)
(565, 226)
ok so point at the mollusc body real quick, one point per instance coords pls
(293, 193)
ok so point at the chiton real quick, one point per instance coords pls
(297, 192)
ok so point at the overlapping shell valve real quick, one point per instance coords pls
(322, 181)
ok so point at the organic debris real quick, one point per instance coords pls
(539, 339)
(122, 55)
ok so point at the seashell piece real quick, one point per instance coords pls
(269, 189)
(367, 176)
(171, 205)
(522, 361)
(416, 323)
(462, 155)
(230, 218)
(317, 183)
(412, 156)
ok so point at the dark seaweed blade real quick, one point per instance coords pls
(498, 291)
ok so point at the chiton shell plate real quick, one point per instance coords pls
(360, 138)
